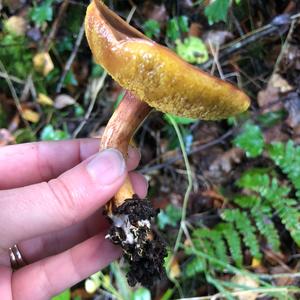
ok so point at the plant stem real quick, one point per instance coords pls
(126, 119)
(190, 181)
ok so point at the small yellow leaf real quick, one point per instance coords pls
(255, 263)
(106, 281)
(30, 115)
(43, 63)
(174, 268)
(44, 100)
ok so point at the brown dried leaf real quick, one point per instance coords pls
(224, 163)
(63, 100)
(16, 25)
(247, 282)
(292, 105)
(6, 138)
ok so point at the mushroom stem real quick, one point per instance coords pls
(126, 119)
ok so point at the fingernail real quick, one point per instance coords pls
(106, 167)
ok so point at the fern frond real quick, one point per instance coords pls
(247, 201)
(194, 266)
(211, 243)
(245, 228)
(287, 157)
(290, 217)
(233, 241)
(266, 226)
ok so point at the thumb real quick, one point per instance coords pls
(63, 201)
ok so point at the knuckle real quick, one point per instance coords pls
(67, 203)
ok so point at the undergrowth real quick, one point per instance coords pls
(248, 221)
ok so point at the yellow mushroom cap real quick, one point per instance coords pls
(154, 73)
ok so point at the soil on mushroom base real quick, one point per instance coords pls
(144, 250)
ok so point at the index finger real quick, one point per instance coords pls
(31, 163)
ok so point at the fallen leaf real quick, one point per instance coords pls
(292, 105)
(6, 138)
(16, 25)
(217, 38)
(30, 115)
(63, 100)
(246, 282)
(174, 268)
(43, 63)
(44, 100)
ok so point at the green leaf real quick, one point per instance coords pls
(217, 11)
(183, 23)
(97, 70)
(179, 120)
(70, 79)
(173, 32)
(49, 134)
(79, 111)
(42, 13)
(192, 49)
(24, 135)
(151, 28)
(271, 118)
(141, 294)
(247, 201)
(251, 140)
(256, 179)
(194, 266)
(170, 216)
(66, 295)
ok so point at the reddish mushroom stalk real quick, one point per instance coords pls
(121, 127)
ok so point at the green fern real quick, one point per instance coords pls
(245, 228)
(262, 217)
(233, 241)
(287, 157)
(195, 265)
(251, 218)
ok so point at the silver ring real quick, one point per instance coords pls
(16, 259)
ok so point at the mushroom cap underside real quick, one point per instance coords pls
(157, 75)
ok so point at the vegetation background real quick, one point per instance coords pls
(228, 191)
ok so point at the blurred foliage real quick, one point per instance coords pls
(66, 295)
(151, 28)
(42, 12)
(250, 140)
(192, 49)
(176, 26)
(169, 216)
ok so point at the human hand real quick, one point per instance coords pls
(51, 194)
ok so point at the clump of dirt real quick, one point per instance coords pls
(142, 247)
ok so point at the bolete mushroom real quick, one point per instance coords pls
(153, 77)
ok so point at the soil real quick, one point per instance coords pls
(146, 253)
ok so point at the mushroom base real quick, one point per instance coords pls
(143, 248)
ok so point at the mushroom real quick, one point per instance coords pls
(154, 77)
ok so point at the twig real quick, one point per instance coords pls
(172, 160)
(56, 24)
(96, 90)
(251, 37)
(14, 94)
(12, 78)
(71, 59)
